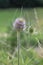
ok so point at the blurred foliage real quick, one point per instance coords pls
(4, 3)
(20, 3)
(26, 57)
(12, 38)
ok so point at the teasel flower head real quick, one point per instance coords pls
(19, 24)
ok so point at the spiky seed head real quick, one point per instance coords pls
(31, 29)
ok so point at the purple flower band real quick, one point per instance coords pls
(19, 24)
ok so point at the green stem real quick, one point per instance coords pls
(18, 44)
